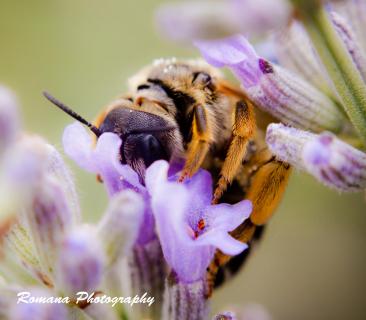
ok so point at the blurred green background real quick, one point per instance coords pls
(311, 263)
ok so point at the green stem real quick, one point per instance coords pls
(339, 65)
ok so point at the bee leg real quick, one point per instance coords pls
(200, 142)
(243, 130)
(266, 188)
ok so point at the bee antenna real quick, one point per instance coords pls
(72, 113)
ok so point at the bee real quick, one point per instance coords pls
(187, 111)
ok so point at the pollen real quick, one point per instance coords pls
(201, 224)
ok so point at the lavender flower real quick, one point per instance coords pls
(104, 160)
(275, 96)
(355, 12)
(81, 262)
(225, 316)
(275, 90)
(250, 311)
(9, 120)
(295, 52)
(202, 19)
(117, 235)
(9, 130)
(34, 311)
(333, 162)
(349, 38)
(146, 270)
(46, 246)
(189, 227)
(297, 102)
(189, 235)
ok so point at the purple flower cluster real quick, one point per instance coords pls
(296, 87)
(189, 228)
(155, 225)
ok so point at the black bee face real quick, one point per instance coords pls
(146, 137)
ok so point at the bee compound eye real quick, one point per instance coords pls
(146, 147)
(150, 144)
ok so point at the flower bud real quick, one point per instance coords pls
(296, 53)
(19, 250)
(225, 316)
(335, 163)
(182, 22)
(19, 176)
(9, 121)
(287, 143)
(56, 167)
(272, 88)
(80, 262)
(350, 40)
(19, 179)
(120, 225)
(354, 11)
(37, 311)
(212, 19)
(49, 219)
(37, 192)
(330, 160)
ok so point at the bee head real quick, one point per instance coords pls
(146, 137)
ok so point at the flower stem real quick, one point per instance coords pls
(338, 63)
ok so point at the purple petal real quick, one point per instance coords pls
(175, 168)
(106, 158)
(186, 259)
(223, 241)
(169, 207)
(228, 217)
(78, 145)
(156, 175)
(169, 202)
(103, 160)
(178, 208)
(200, 189)
(147, 229)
